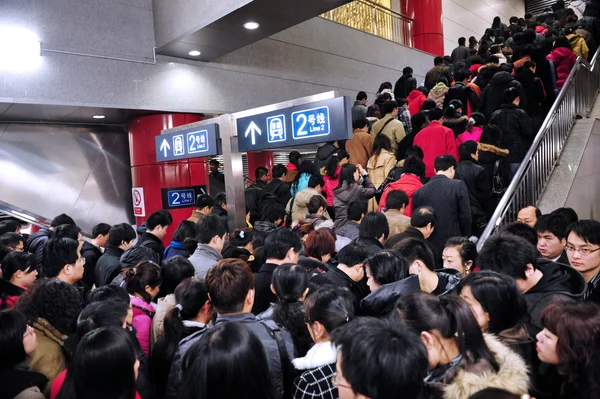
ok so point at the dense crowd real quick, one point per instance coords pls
(357, 275)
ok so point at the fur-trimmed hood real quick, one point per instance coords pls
(493, 149)
(456, 120)
(468, 380)
(319, 355)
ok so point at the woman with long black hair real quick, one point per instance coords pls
(354, 186)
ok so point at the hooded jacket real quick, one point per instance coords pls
(318, 368)
(474, 135)
(36, 244)
(300, 184)
(559, 283)
(408, 183)
(404, 86)
(143, 312)
(488, 155)
(300, 206)
(458, 123)
(154, 243)
(579, 46)
(204, 258)
(534, 91)
(517, 131)
(50, 357)
(415, 101)
(347, 193)
(563, 60)
(478, 186)
(397, 221)
(438, 94)
(492, 96)
(324, 154)
(485, 74)
(435, 140)
(466, 95)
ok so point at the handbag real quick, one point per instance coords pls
(391, 177)
(498, 184)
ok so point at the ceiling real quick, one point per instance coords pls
(228, 34)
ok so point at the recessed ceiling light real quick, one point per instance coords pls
(98, 116)
(194, 53)
(251, 25)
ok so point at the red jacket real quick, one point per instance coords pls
(435, 140)
(408, 183)
(564, 60)
(415, 101)
(60, 380)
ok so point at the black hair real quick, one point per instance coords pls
(360, 123)
(422, 216)
(225, 353)
(13, 325)
(396, 200)
(332, 165)
(228, 283)
(401, 101)
(186, 229)
(415, 151)
(352, 255)
(279, 242)
(356, 210)
(329, 305)
(278, 171)
(374, 225)
(461, 41)
(9, 226)
(522, 230)
(451, 317)
(59, 252)
(16, 261)
(567, 213)
(507, 254)
(388, 107)
(361, 96)
(173, 271)
(159, 218)
(241, 238)
(499, 296)
(260, 172)
(453, 108)
(385, 85)
(220, 199)
(510, 95)
(11, 240)
(102, 366)
(294, 158)
(438, 60)
(461, 75)
(414, 165)
(109, 293)
(414, 249)
(122, 232)
(492, 59)
(209, 227)
(387, 267)
(562, 42)
(466, 248)
(63, 218)
(273, 213)
(144, 274)
(316, 180)
(554, 223)
(476, 119)
(407, 70)
(513, 20)
(466, 150)
(315, 203)
(347, 175)
(101, 314)
(205, 200)
(134, 255)
(66, 231)
(425, 91)
(435, 114)
(4, 250)
(587, 229)
(444, 162)
(381, 358)
(491, 134)
(100, 229)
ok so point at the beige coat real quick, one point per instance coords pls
(301, 203)
(49, 358)
(163, 307)
(394, 130)
(378, 169)
(397, 221)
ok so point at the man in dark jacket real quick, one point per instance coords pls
(487, 72)
(534, 89)
(92, 251)
(281, 246)
(583, 251)
(356, 212)
(552, 237)
(36, 242)
(461, 53)
(438, 74)
(460, 91)
(277, 186)
(478, 185)
(373, 232)
(157, 225)
(220, 208)
(541, 281)
(405, 84)
(422, 223)
(253, 193)
(492, 96)
(450, 200)
(120, 238)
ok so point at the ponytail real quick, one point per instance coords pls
(289, 283)
(137, 278)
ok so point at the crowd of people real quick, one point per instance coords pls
(356, 276)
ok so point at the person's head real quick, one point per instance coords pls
(232, 363)
(242, 238)
(583, 243)
(438, 61)
(491, 134)
(495, 300)
(105, 363)
(373, 112)
(230, 285)
(61, 219)
(158, 223)
(295, 158)
(397, 200)
(468, 151)
(351, 259)
(477, 119)
(472, 40)
(320, 245)
(445, 165)
(221, 200)
(173, 271)
(414, 165)
(385, 267)
(17, 339)
(570, 341)
(423, 219)
(100, 234)
(529, 215)
(362, 97)
(54, 300)
(327, 308)
(379, 359)
(562, 42)
(513, 20)
(186, 230)
(361, 124)
(568, 213)
(402, 102)
(510, 255)
(317, 205)
(357, 210)
(455, 106)
(282, 246)
(522, 230)
(290, 284)
(62, 260)
(381, 142)
(274, 214)
(261, 174)
(121, 235)
(144, 280)
(407, 70)
(417, 254)
(10, 226)
(212, 231)
(446, 325)
(511, 96)
(374, 225)
(462, 41)
(317, 182)
(213, 165)
(67, 231)
(462, 75)
(135, 255)
(101, 314)
(205, 203)
(390, 108)
(279, 171)
(460, 254)
(20, 269)
(385, 86)
(435, 114)
(492, 59)
(348, 174)
(109, 293)
(14, 241)
(551, 231)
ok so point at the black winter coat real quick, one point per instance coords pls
(478, 185)
(488, 155)
(280, 189)
(458, 124)
(108, 266)
(151, 241)
(465, 94)
(404, 86)
(491, 97)
(534, 91)
(485, 75)
(91, 253)
(36, 244)
(517, 133)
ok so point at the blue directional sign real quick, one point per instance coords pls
(317, 122)
(195, 142)
(181, 197)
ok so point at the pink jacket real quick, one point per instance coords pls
(143, 312)
(474, 135)
(564, 60)
(330, 184)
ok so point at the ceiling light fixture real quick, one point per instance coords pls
(194, 53)
(98, 116)
(251, 25)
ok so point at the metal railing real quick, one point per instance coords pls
(375, 19)
(576, 98)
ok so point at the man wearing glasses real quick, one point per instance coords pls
(583, 250)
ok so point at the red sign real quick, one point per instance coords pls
(139, 208)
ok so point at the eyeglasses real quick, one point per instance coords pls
(582, 251)
(336, 384)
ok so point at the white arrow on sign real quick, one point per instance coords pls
(252, 129)
(164, 147)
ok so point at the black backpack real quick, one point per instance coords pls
(266, 200)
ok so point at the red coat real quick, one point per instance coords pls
(435, 140)
(415, 101)
(564, 60)
(408, 183)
